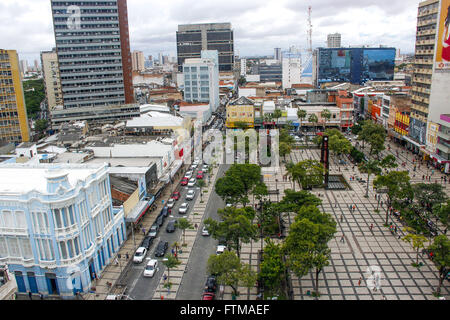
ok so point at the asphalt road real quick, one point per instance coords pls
(194, 279)
(143, 288)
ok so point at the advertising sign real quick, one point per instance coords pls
(443, 43)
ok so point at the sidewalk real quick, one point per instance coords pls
(195, 217)
(111, 274)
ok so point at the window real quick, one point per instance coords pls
(45, 248)
(3, 247)
(63, 250)
(26, 248)
(8, 219)
(40, 222)
(14, 250)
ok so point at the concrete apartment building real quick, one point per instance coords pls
(52, 79)
(92, 41)
(138, 61)
(291, 69)
(193, 38)
(13, 114)
(201, 79)
(334, 40)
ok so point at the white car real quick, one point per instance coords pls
(190, 195)
(196, 162)
(151, 268)
(139, 255)
(188, 174)
(205, 168)
(193, 167)
(205, 231)
(171, 203)
(183, 208)
(192, 182)
(220, 249)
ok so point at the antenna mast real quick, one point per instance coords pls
(309, 30)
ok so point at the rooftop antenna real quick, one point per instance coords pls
(309, 30)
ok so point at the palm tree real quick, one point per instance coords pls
(326, 115)
(301, 114)
(277, 114)
(292, 172)
(170, 263)
(184, 224)
(314, 120)
(201, 184)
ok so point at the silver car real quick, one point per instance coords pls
(183, 208)
(190, 195)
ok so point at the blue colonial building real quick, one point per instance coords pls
(58, 228)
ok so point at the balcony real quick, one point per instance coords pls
(71, 261)
(13, 231)
(90, 250)
(66, 232)
(51, 264)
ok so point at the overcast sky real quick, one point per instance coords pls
(259, 25)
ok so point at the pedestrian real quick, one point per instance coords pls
(342, 217)
(30, 295)
(423, 177)
(384, 297)
(354, 207)
(143, 230)
(41, 296)
(196, 226)
(371, 226)
(342, 239)
(359, 281)
(126, 255)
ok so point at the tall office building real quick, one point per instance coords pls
(427, 19)
(52, 79)
(334, 40)
(201, 79)
(13, 113)
(193, 38)
(138, 61)
(93, 47)
(23, 66)
(291, 67)
(277, 54)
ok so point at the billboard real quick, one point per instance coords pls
(443, 44)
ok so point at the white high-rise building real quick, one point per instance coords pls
(334, 40)
(291, 68)
(201, 79)
(138, 61)
(243, 67)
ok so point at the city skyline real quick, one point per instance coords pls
(259, 26)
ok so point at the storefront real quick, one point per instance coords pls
(440, 163)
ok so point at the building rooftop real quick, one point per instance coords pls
(23, 178)
(155, 119)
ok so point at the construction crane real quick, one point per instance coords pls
(309, 31)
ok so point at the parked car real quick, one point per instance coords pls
(205, 232)
(221, 249)
(160, 221)
(165, 212)
(193, 167)
(171, 203)
(200, 175)
(205, 167)
(208, 296)
(139, 255)
(151, 268)
(161, 248)
(153, 230)
(176, 195)
(184, 181)
(192, 182)
(147, 242)
(171, 226)
(211, 284)
(183, 208)
(189, 174)
(190, 195)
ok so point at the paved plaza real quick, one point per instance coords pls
(361, 247)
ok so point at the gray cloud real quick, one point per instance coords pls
(259, 25)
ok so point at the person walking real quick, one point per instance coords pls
(30, 295)
(143, 230)
(342, 217)
(41, 296)
(342, 238)
(359, 281)
(371, 226)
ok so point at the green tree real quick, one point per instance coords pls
(242, 81)
(293, 201)
(201, 184)
(230, 189)
(34, 93)
(398, 188)
(375, 135)
(442, 211)
(241, 125)
(248, 174)
(326, 115)
(417, 241)
(309, 173)
(441, 257)
(259, 191)
(314, 120)
(41, 125)
(170, 262)
(428, 196)
(230, 271)
(272, 268)
(307, 243)
(284, 149)
(235, 226)
(301, 114)
(375, 167)
(184, 224)
(277, 114)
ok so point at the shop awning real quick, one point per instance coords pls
(439, 159)
(138, 211)
(413, 142)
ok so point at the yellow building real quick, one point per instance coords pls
(241, 110)
(13, 114)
